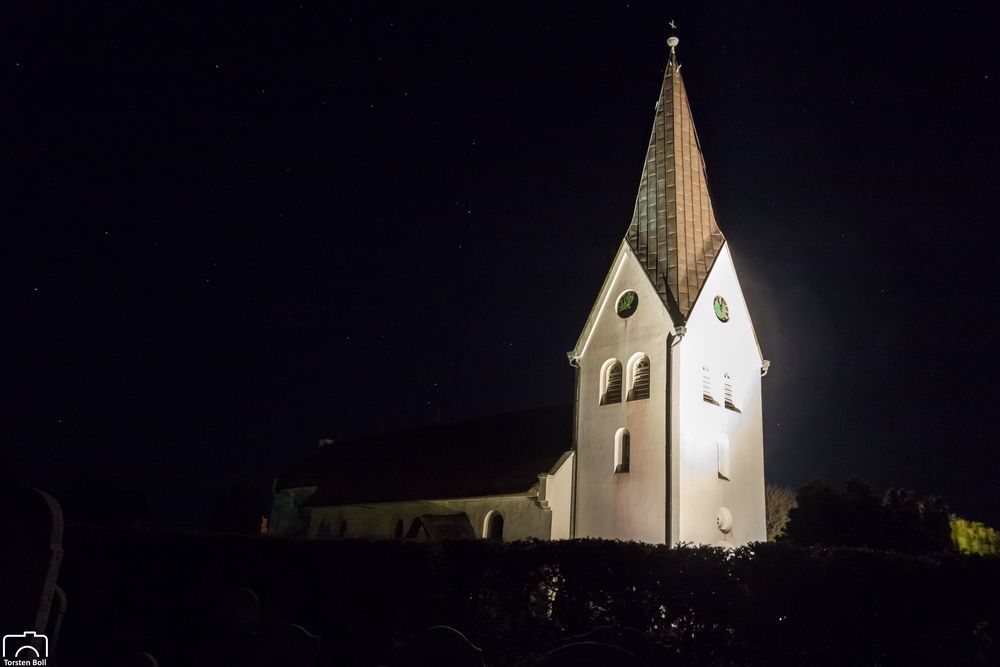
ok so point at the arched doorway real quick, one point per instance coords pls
(494, 527)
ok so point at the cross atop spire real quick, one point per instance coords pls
(673, 231)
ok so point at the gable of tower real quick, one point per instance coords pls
(626, 274)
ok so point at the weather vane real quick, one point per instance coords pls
(673, 26)
(672, 41)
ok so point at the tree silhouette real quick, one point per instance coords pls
(778, 501)
(858, 517)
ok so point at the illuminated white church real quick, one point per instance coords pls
(664, 442)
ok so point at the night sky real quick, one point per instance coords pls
(229, 232)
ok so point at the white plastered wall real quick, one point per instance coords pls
(628, 506)
(555, 494)
(724, 347)
(522, 516)
(542, 513)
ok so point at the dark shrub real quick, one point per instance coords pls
(766, 604)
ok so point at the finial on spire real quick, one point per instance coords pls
(672, 41)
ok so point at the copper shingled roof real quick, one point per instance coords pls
(673, 231)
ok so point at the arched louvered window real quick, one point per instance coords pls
(623, 450)
(494, 526)
(728, 393)
(611, 382)
(706, 386)
(640, 379)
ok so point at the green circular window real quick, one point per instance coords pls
(721, 309)
(627, 304)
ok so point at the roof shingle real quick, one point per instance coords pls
(673, 231)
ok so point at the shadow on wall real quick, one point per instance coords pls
(441, 527)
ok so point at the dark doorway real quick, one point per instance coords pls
(494, 527)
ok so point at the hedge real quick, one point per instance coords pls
(765, 604)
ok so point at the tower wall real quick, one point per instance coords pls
(632, 505)
(697, 468)
(723, 348)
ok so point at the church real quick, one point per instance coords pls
(663, 442)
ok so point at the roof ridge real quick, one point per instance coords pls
(449, 424)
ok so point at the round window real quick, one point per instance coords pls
(724, 519)
(721, 309)
(627, 304)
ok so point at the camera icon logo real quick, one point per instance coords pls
(26, 645)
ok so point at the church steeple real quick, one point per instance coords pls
(673, 231)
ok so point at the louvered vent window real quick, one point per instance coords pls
(612, 384)
(706, 386)
(640, 380)
(623, 450)
(728, 386)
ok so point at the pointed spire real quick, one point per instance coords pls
(673, 231)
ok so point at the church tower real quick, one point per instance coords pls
(668, 429)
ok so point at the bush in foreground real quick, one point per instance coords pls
(763, 604)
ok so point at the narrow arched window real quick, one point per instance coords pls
(343, 528)
(640, 379)
(494, 527)
(397, 529)
(611, 382)
(706, 386)
(722, 448)
(623, 450)
(727, 383)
